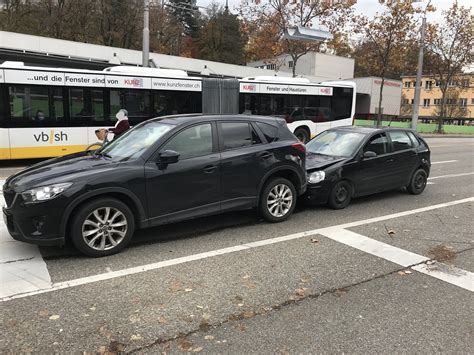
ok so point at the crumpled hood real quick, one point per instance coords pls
(62, 169)
(320, 162)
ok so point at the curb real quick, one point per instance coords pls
(446, 135)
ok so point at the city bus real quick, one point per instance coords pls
(48, 112)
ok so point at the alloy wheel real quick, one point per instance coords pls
(279, 200)
(104, 228)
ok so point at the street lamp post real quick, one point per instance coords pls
(419, 73)
(146, 33)
(416, 102)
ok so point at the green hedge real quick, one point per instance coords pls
(422, 127)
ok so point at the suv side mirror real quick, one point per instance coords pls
(168, 157)
(369, 154)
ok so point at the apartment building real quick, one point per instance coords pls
(459, 100)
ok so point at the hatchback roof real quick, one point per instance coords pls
(369, 129)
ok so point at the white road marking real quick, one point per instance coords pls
(443, 162)
(448, 176)
(162, 264)
(430, 183)
(22, 268)
(405, 258)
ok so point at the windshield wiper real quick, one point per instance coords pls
(101, 154)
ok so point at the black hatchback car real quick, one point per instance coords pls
(347, 162)
(161, 171)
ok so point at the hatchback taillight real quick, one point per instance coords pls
(300, 147)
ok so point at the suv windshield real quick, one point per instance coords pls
(135, 141)
(335, 143)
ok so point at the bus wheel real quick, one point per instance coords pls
(302, 134)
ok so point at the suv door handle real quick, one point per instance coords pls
(209, 169)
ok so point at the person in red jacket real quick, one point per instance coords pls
(122, 124)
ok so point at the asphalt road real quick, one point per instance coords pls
(323, 281)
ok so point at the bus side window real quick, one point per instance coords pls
(30, 105)
(86, 106)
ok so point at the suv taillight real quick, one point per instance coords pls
(300, 147)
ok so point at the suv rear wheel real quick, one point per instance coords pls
(278, 200)
(102, 227)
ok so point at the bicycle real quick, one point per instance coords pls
(101, 135)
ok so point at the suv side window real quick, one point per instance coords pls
(238, 134)
(400, 141)
(192, 142)
(270, 132)
(377, 144)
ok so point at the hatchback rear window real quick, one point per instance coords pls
(400, 140)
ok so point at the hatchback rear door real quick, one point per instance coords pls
(404, 155)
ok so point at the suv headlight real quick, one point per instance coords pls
(44, 193)
(316, 177)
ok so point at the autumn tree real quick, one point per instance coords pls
(220, 38)
(165, 32)
(384, 37)
(451, 44)
(284, 14)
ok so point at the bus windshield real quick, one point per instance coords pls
(335, 143)
(134, 142)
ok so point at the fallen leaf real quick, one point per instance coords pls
(136, 337)
(300, 292)
(340, 292)
(175, 286)
(200, 307)
(408, 272)
(197, 350)
(456, 217)
(401, 273)
(246, 276)
(248, 314)
(162, 320)
(240, 304)
(239, 298)
(314, 240)
(184, 344)
(54, 317)
(92, 308)
(206, 316)
(209, 337)
(241, 327)
(188, 289)
(43, 313)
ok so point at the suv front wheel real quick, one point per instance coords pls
(102, 227)
(278, 200)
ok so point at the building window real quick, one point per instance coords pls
(472, 101)
(438, 83)
(414, 83)
(271, 66)
(426, 102)
(290, 64)
(404, 101)
(407, 84)
(428, 84)
(463, 102)
(437, 101)
(465, 83)
(450, 101)
(412, 101)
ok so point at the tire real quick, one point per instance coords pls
(417, 182)
(340, 195)
(302, 134)
(92, 216)
(284, 194)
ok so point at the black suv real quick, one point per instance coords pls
(161, 171)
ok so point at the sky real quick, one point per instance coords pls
(367, 7)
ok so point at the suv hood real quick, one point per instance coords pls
(62, 169)
(318, 161)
